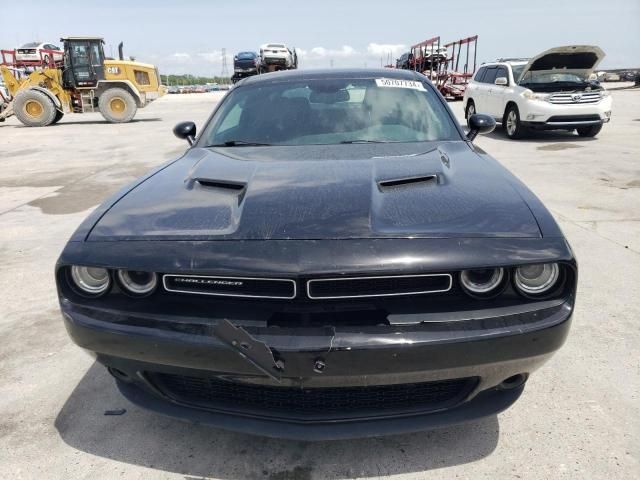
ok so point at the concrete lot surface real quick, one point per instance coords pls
(578, 418)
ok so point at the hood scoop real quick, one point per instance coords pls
(415, 181)
(220, 184)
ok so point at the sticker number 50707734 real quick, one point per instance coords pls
(397, 83)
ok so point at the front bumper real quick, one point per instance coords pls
(539, 114)
(488, 350)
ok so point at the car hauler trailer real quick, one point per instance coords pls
(452, 77)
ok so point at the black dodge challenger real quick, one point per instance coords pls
(332, 257)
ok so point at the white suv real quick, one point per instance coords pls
(552, 91)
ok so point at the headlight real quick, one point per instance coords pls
(537, 279)
(91, 280)
(529, 95)
(482, 281)
(137, 283)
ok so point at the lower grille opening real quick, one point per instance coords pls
(573, 118)
(310, 403)
(353, 318)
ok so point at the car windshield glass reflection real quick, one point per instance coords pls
(323, 112)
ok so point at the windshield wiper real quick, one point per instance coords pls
(239, 143)
(363, 141)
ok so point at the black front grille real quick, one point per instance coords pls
(378, 286)
(312, 402)
(231, 286)
(574, 118)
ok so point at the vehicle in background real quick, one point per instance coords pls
(403, 61)
(173, 89)
(200, 89)
(552, 91)
(453, 85)
(213, 87)
(435, 54)
(276, 55)
(39, 52)
(86, 81)
(245, 64)
(611, 77)
(225, 86)
(628, 76)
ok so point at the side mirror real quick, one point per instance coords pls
(502, 81)
(187, 131)
(480, 123)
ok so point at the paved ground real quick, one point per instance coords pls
(578, 418)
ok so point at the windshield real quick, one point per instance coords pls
(246, 55)
(30, 45)
(517, 71)
(330, 111)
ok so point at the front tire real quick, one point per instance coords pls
(470, 110)
(117, 105)
(511, 122)
(591, 131)
(34, 109)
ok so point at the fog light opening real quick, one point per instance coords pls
(512, 382)
(119, 374)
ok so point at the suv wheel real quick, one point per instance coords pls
(511, 122)
(470, 110)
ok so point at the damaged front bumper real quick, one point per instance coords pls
(325, 382)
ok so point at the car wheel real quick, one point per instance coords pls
(470, 110)
(117, 105)
(34, 108)
(591, 131)
(511, 122)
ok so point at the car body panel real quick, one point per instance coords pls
(579, 59)
(293, 198)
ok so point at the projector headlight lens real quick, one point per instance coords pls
(137, 283)
(482, 281)
(91, 280)
(537, 279)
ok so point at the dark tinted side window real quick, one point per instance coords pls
(480, 74)
(490, 76)
(502, 72)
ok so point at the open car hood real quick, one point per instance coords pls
(578, 59)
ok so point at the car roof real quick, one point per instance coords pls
(332, 73)
(504, 62)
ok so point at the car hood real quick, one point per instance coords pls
(579, 59)
(323, 192)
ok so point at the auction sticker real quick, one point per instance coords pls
(397, 83)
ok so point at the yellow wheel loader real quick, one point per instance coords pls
(86, 82)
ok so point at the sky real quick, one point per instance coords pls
(187, 37)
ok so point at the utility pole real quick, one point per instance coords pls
(224, 73)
